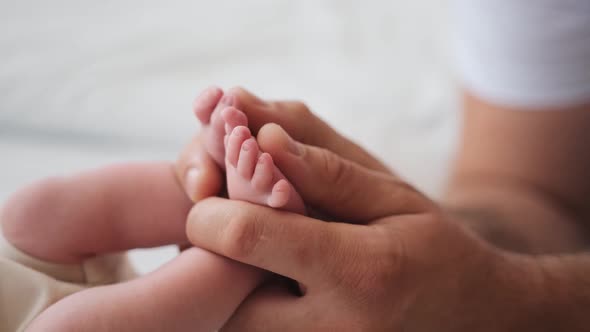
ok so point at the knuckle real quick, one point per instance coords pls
(299, 111)
(409, 199)
(376, 270)
(390, 247)
(242, 236)
(337, 172)
(332, 166)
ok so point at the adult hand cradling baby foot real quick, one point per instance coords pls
(390, 259)
(401, 261)
(505, 250)
(383, 257)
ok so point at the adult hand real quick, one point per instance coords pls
(406, 268)
(194, 166)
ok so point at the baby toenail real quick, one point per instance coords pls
(245, 147)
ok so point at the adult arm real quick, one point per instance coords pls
(419, 269)
(522, 177)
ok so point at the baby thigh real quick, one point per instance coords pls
(197, 291)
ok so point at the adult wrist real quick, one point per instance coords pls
(515, 218)
(538, 293)
(495, 291)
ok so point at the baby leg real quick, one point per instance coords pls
(197, 291)
(115, 208)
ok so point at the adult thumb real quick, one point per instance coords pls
(338, 186)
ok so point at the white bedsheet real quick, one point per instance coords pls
(85, 83)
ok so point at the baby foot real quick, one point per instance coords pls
(252, 175)
(208, 107)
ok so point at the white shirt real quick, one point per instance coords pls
(524, 52)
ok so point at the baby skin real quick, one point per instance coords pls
(196, 291)
(251, 173)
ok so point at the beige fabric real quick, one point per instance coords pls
(29, 285)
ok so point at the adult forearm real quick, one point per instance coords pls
(535, 289)
(520, 177)
(535, 293)
(516, 218)
(566, 292)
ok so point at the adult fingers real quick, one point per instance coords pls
(302, 124)
(197, 173)
(291, 245)
(339, 186)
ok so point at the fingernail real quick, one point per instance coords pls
(191, 182)
(227, 100)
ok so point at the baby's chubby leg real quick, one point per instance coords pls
(197, 291)
(66, 220)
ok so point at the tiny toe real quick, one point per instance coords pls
(248, 157)
(280, 194)
(215, 138)
(205, 103)
(263, 173)
(233, 118)
(217, 123)
(234, 144)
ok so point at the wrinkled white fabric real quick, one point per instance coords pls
(29, 285)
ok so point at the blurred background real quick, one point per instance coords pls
(89, 83)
